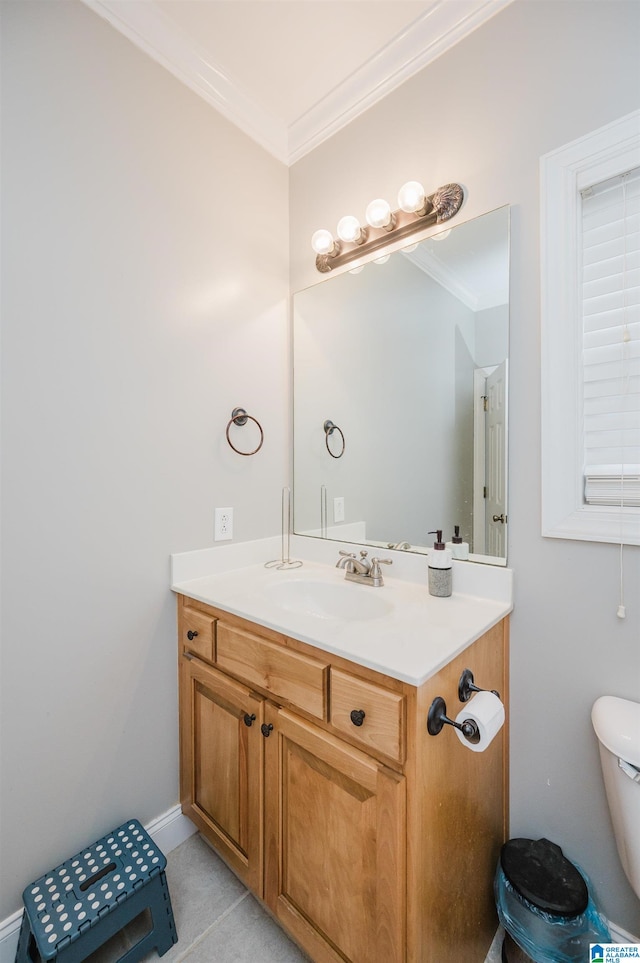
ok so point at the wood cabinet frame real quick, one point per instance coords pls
(425, 816)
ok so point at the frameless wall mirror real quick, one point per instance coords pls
(400, 391)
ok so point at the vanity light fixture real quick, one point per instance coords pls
(416, 210)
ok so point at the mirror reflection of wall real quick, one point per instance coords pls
(397, 356)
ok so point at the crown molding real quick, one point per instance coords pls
(427, 38)
(452, 281)
(439, 28)
(153, 31)
(448, 279)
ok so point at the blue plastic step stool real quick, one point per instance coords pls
(79, 905)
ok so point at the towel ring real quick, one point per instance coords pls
(329, 429)
(240, 417)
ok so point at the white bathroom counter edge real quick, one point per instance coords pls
(421, 636)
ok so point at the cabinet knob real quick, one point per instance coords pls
(249, 719)
(191, 635)
(357, 716)
(500, 518)
(266, 729)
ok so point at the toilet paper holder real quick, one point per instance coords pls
(437, 715)
(466, 687)
(437, 718)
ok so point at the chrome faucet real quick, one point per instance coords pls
(361, 569)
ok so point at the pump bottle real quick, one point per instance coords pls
(439, 567)
(456, 546)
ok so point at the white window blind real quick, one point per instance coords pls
(611, 340)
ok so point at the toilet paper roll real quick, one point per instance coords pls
(487, 711)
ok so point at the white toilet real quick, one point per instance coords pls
(617, 726)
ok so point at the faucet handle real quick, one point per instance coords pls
(343, 560)
(375, 566)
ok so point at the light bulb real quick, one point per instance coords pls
(382, 260)
(410, 247)
(378, 213)
(322, 242)
(357, 270)
(411, 197)
(349, 229)
(441, 236)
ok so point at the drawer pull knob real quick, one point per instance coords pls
(266, 729)
(249, 719)
(191, 635)
(357, 716)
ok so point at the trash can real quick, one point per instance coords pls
(545, 905)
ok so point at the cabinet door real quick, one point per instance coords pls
(335, 845)
(221, 766)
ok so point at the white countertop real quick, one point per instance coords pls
(411, 640)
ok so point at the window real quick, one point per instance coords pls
(610, 308)
(590, 283)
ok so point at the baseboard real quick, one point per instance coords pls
(167, 831)
(9, 931)
(170, 829)
(618, 935)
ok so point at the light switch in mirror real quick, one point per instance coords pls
(410, 359)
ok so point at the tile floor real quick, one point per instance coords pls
(217, 919)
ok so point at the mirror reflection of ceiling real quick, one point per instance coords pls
(473, 265)
(345, 55)
(409, 359)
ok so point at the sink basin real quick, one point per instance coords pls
(327, 600)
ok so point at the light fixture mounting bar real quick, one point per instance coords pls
(440, 206)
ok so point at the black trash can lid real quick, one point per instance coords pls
(539, 871)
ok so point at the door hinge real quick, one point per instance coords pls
(485, 402)
(484, 491)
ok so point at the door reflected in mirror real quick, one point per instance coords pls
(409, 359)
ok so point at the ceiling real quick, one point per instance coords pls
(290, 73)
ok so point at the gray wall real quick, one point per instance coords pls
(136, 314)
(536, 76)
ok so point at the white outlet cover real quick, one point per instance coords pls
(223, 529)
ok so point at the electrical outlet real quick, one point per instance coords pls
(338, 509)
(223, 524)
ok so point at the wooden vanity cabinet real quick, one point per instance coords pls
(222, 751)
(369, 840)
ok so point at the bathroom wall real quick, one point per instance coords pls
(536, 76)
(137, 311)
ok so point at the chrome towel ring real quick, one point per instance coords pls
(329, 429)
(240, 417)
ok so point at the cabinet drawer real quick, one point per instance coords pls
(300, 680)
(383, 727)
(197, 633)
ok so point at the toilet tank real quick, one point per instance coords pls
(617, 725)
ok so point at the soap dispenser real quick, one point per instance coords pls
(456, 546)
(439, 567)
